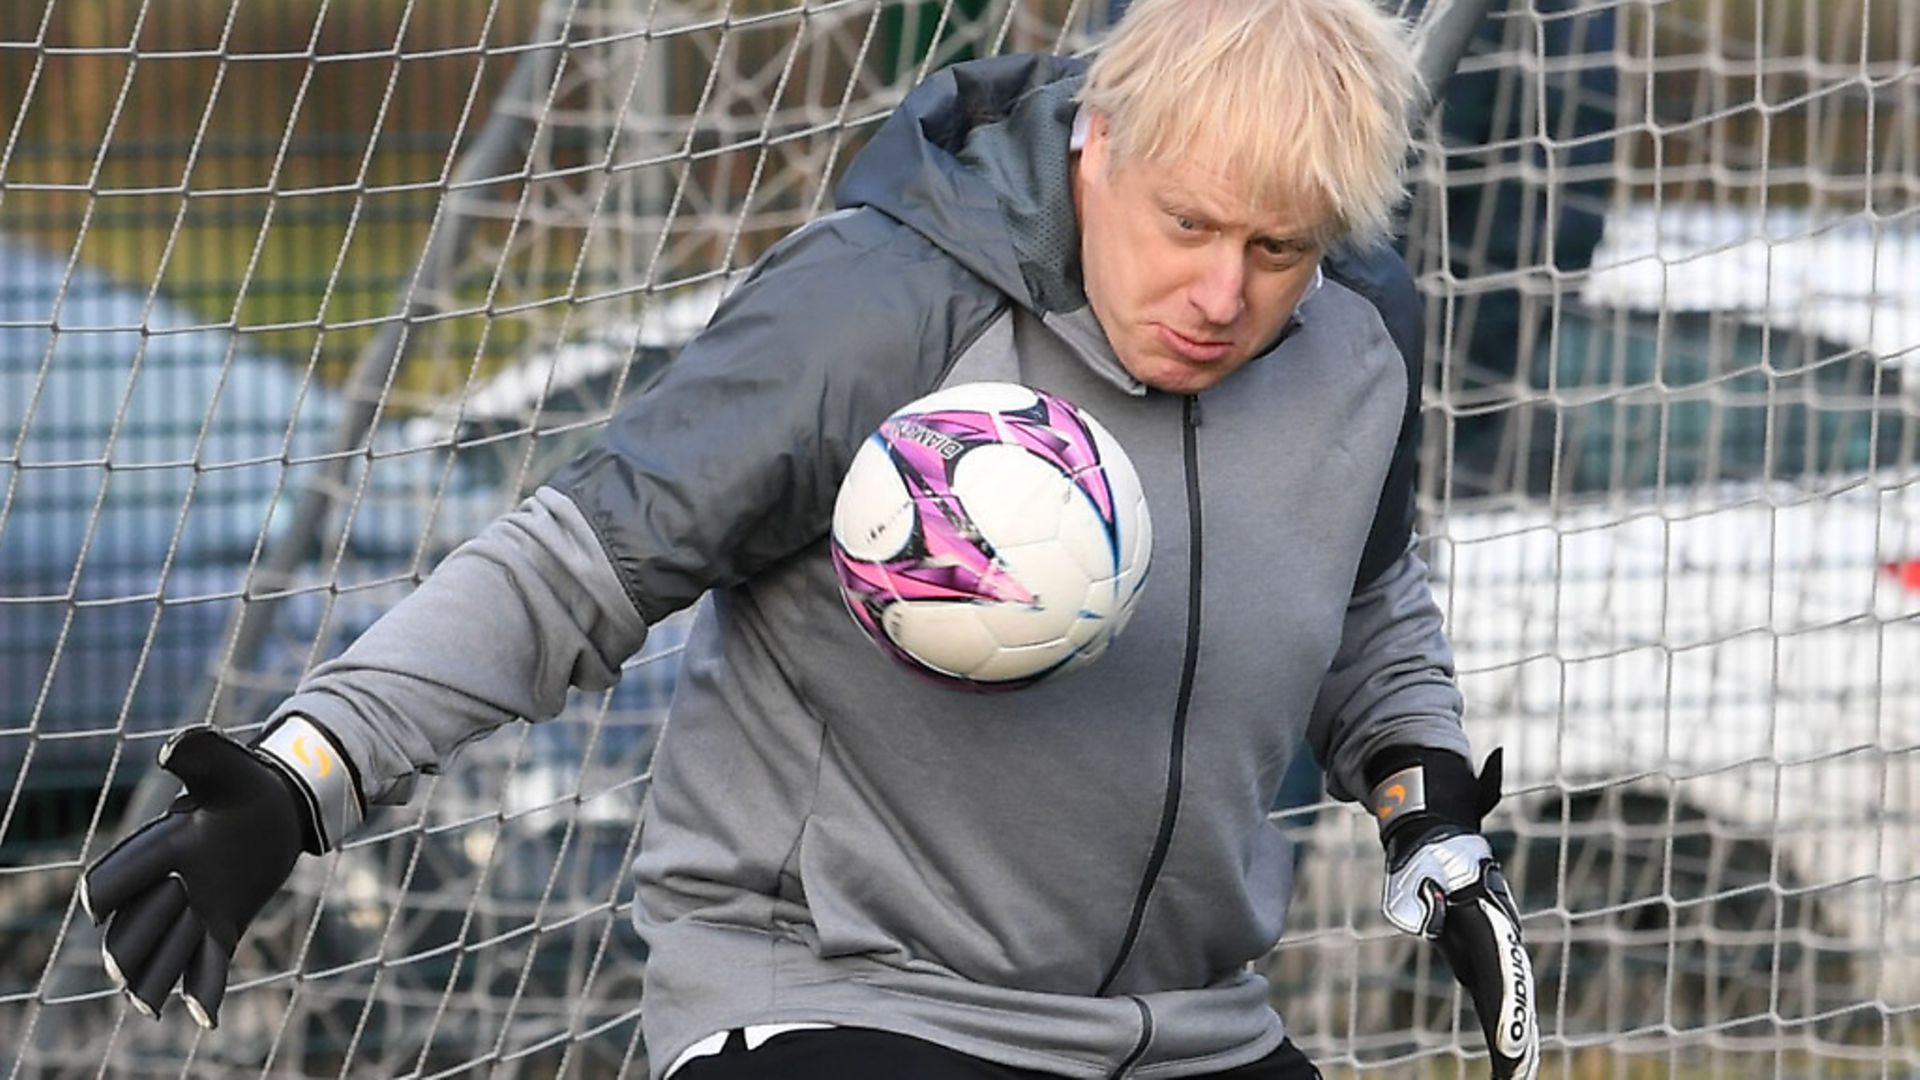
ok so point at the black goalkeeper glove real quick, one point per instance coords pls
(1443, 884)
(182, 889)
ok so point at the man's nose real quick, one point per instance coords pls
(1219, 292)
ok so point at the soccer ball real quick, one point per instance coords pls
(991, 535)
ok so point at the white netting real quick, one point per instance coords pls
(294, 296)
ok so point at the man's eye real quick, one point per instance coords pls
(1185, 223)
(1279, 253)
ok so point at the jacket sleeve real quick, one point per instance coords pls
(728, 463)
(1391, 685)
(731, 461)
(499, 630)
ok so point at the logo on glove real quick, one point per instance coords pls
(1391, 800)
(1518, 973)
(320, 768)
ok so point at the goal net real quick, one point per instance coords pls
(296, 296)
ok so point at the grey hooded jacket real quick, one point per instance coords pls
(1072, 878)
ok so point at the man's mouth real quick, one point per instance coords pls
(1195, 350)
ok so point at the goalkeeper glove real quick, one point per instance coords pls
(182, 889)
(1443, 884)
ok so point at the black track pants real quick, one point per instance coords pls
(863, 1054)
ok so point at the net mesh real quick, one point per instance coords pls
(295, 296)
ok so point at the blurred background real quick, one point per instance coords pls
(295, 295)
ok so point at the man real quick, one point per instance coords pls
(846, 871)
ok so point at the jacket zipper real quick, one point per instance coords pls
(1140, 1046)
(1176, 755)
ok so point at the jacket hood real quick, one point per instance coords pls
(976, 159)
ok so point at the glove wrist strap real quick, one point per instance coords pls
(1401, 795)
(1431, 785)
(322, 776)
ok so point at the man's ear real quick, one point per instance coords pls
(1096, 150)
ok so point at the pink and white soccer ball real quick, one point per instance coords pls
(990, 535)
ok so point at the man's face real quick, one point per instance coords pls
(1187, 279)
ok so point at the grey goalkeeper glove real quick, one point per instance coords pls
(1443, 884)
(178, 893)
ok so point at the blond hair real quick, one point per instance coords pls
(1306, 101)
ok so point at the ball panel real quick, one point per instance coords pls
(984, 397)
(1087, 539)
(1135, 540)
(1019, 626)
(1010, 496)
(1016, 664)
(873, 516)
(948, 637)
(1132, 528)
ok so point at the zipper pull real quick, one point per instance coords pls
(1193, 410)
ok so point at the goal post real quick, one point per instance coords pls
(296, 296)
